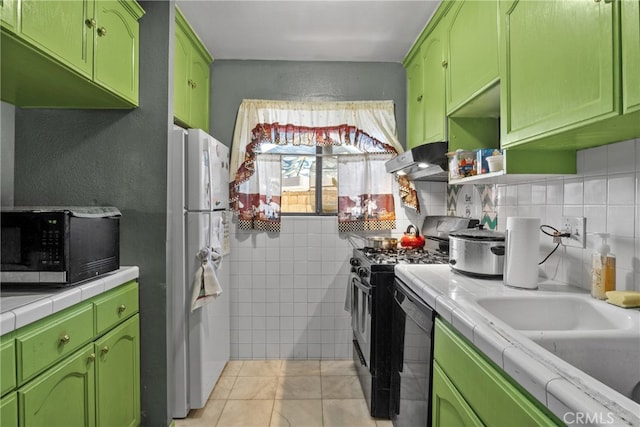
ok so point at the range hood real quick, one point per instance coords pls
(426, 162)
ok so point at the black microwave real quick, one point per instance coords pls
(58, 246)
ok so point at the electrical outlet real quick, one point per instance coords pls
(577, 227)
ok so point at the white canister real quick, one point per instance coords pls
(522, 242)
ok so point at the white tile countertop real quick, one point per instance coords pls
(571, 394)
(19, 306)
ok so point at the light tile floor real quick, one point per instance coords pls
(285, 393)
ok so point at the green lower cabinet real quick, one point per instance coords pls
(448, 407)
(118, 376)
(630, 55)
(9, 410)
(483, 386)
(63, 396)
(7, 363)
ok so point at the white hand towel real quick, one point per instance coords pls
(206, 286)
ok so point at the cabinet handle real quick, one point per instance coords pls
(419, 99)
(105, 349)
(92, 357)
(190, 83)
(91, 23)
(194, 85)
(102, 31)
(445, 63)
(122, 308)
(65, 339)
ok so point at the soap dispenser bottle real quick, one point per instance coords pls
(603, 267)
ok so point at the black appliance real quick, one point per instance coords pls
(426, 162)
(58, 246)
(369, 299)
(412, 355)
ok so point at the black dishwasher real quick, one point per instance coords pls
(411, 357)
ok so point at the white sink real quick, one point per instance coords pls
(555, 313)
(600, 339)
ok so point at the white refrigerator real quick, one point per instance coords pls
(197, 218)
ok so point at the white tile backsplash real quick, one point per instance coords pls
(288, 289)
(605, 191)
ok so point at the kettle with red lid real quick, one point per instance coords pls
(412, 239)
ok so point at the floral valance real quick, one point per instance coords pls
(363, 127)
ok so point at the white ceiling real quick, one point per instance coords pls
(309, 30)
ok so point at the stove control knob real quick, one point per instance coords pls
(354, 262)
(362, 272)
(452, 261)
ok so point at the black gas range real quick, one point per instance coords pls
(370, 300)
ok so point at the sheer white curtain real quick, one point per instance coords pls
(365, 126)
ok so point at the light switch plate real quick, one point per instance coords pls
(577, 227)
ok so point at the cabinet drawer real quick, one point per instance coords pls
(116, 306)
(42, 343)
(7, 364)
(482, 385)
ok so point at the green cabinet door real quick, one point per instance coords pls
(630, 55)
(8, 14)
(116, 48)
(181, 84)
(118, 376)
(191, 77)
(9, 410)
(415, 125)
(434, 109)
(61, 29)
(7, 363)
(472, 38)
(62, 396)
(200, 92)
(558, 66)
(448, 407)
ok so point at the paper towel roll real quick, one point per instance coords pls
(522, 241)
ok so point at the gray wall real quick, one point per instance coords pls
(7, 146)
(233, 81)
(116, 158)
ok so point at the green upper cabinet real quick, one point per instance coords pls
(415, 125)
(433, 52)
(472, 37)
(425, 65)
(560, 66)
(630, 55)
(191, 77)
(70, 53)
(8, 14)
(116, 48)
(61, 29)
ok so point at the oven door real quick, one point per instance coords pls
(412, 349)
(361, 317)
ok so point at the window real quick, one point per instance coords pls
(300, 179)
